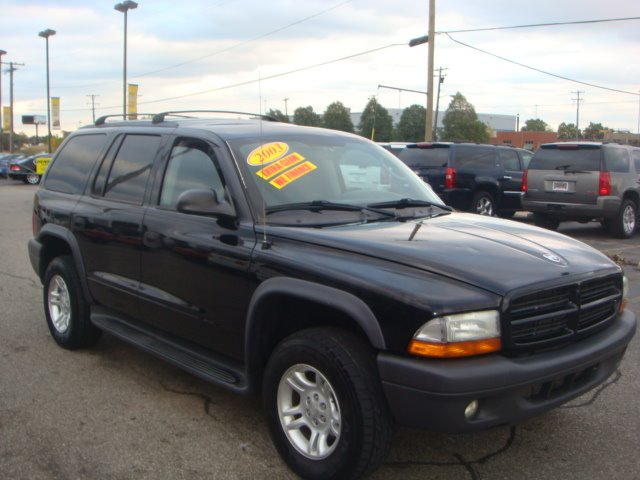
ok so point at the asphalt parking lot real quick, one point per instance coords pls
(114, 412)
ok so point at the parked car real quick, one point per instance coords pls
(5, 159)
(25, 169)
(393, 147)
(484, 179)
(585, 181)
(314, 267)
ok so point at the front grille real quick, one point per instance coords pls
(552, 317)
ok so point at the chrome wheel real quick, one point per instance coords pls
(33, 179)
(309, 411)
(628, 219)
(484, 206)
(59, 304)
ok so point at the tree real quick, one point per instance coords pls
(595, 131)
(535, 125)
(412, 124)
(375, 122)
(567, 131)
(461, 122)
(338, 117)
(306, 116)
(278, 115)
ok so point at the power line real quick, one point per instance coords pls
(551, 24)
(539, 70)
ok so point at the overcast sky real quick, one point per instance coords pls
(210, 54)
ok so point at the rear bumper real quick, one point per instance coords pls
(605, 207)
(433, 394)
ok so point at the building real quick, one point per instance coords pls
(529, 140)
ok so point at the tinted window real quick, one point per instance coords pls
(191, 165)
(128, 176)
(616, 160)
(425, 157)
(475, 157)
(510, 160)
(566, 159)
(526, 158)
(73, 164)
(636, 160)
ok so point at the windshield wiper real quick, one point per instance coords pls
(408, 203)
(319, 205)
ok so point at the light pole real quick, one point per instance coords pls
(2, 52)
(124, 7)
(46, 34)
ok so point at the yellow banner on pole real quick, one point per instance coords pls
(6, 118)
(55, 113)
(132, 110)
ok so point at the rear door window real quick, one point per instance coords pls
(510, 160)
(566, 159)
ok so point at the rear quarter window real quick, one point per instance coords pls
(566, 159)
(616, 160)
(475, 157)
(70, 170)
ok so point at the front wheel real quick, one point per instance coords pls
(624, 223)
(324, 405)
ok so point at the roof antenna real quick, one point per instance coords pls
(265, 242)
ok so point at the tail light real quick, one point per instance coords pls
(604, 187)
(450, 178)
(524, 180)
(14, 168)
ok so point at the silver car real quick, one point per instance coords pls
(584, 181)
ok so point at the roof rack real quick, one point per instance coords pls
(159, 117)
(103, 119)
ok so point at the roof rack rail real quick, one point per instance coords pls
(103, 119)
(159, 117)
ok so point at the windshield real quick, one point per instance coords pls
(331, 168)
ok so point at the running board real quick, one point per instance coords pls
(191, 358)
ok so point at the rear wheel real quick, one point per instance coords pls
(544, 221)
(66, 309)
(484, 204)
(624, 223)
(324, 405)
(32, 179)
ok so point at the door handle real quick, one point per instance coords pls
(506, 177)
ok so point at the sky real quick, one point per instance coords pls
(253, 55)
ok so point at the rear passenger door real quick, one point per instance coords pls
(510, 178)
(195, 267)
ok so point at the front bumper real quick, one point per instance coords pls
(433, 394)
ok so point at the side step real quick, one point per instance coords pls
(191, 358)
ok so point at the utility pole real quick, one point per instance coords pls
(435, 123)
(286, 112)
(12, 69)
(93, 106)
(428, 130)
(578, 100)
(2, 52)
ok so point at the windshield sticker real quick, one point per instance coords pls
(279, 166)
(292, 175)
(267, 153)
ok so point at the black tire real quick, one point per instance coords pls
(541, 220)
(483, 204)
(65, 307)
(625, 222)
(339, 367)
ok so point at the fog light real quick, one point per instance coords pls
(471, 410)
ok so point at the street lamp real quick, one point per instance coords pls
(124, 7)
(2, 52)
(46, 34)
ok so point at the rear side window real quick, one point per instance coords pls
(510, 160)
(566, 159)
(70, 171)
(636, 160)
(128, 176)
(475, 157)
(616, 160)
(425, 157)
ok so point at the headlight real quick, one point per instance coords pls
(460, 335)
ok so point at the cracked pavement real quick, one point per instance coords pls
(114, 412)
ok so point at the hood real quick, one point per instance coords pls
(490, 253)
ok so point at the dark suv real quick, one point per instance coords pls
(585, 181)
(484, 179)
(314, 267)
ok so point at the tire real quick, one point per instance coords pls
(483, 204)
(625, 222)
(540, 220)
(65, 308)
(32, 179)
(334, 374)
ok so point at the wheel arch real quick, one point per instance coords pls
(281, 306)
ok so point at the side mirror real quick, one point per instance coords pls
(204, 201)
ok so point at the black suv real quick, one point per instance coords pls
(314, 267)
(484, 179)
